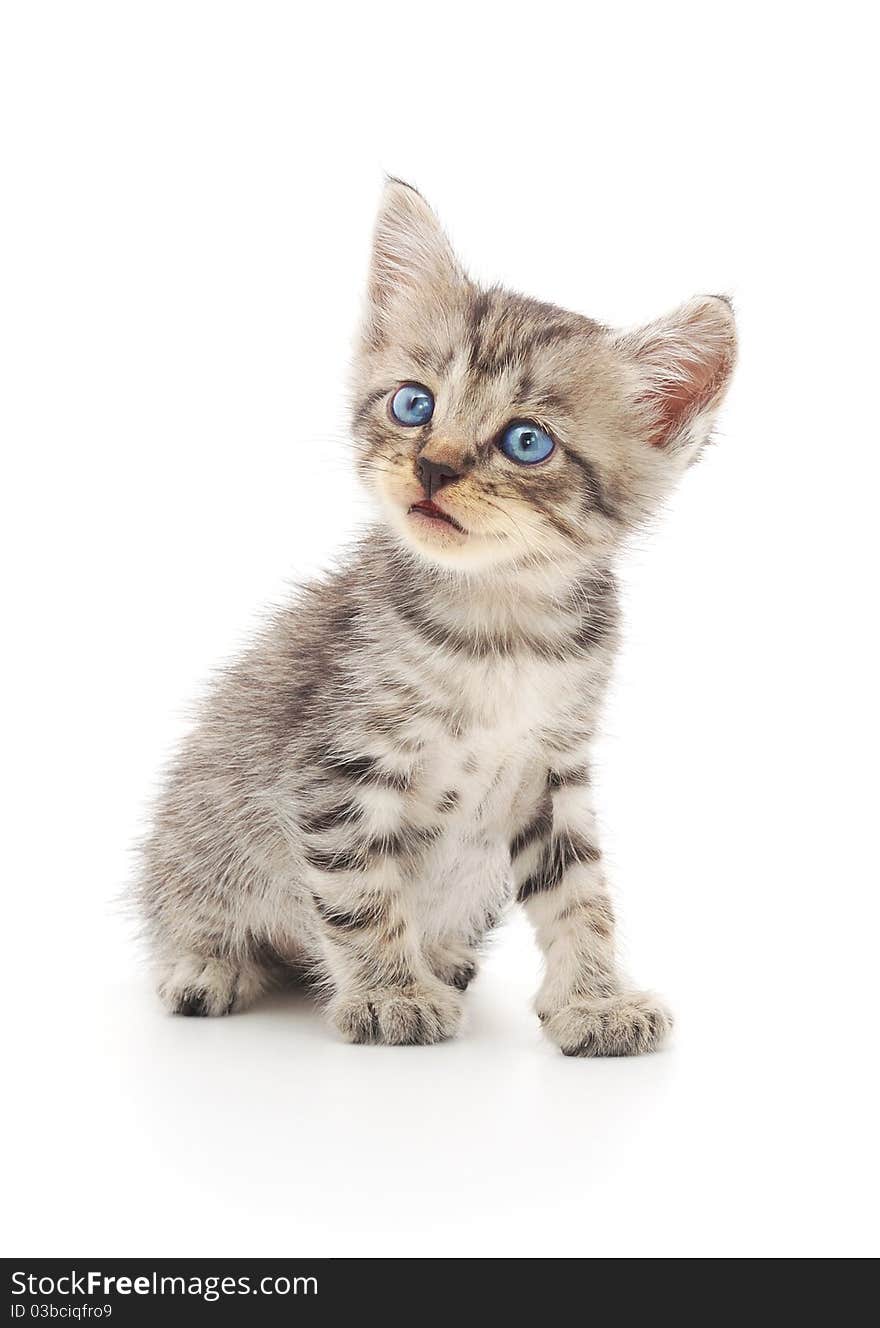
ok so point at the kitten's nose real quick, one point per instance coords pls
(435, 475)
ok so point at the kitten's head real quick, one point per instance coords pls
(495, 429)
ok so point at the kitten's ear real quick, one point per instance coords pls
(412, 259)
(684, 363)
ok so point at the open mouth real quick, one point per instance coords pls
(427, 510)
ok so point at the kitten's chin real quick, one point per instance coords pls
(443, 541)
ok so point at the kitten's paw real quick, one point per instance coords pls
(196, 986)
(409, 1016)
(628, 1024)
(453, 963)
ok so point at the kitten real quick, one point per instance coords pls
(407, 746)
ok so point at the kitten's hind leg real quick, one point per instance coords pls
(194, 985)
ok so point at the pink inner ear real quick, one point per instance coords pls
(688, 361)
(685, 393)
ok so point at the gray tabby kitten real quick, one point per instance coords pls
(407, 746)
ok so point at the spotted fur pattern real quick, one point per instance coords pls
(406, 748)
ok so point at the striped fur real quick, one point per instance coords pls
(406, 746)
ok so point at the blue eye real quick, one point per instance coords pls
(412, 404)
(526, 443)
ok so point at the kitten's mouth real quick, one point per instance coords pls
(426, 510)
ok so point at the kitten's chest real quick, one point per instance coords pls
(475, 788)
(477, 774)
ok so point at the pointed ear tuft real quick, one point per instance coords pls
(685, 363)
(411, 257)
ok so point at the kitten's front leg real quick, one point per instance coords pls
(584, 1003)
(383, 988)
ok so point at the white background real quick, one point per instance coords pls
(188, 192)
